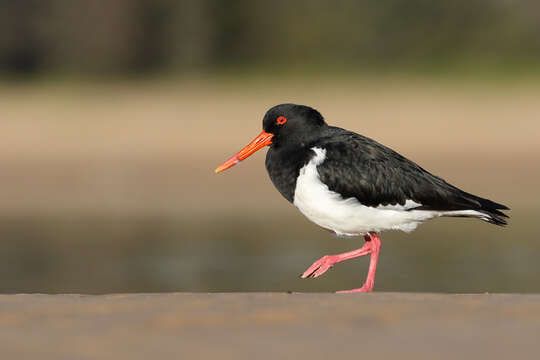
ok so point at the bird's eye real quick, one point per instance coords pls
(281, 120)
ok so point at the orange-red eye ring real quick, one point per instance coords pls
(281, 120)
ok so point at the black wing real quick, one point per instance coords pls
(359, 167)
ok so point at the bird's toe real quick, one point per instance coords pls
(319, 267)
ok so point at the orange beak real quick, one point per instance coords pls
(264, 139)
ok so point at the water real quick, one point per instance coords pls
(162, 254)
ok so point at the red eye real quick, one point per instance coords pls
(281, 120)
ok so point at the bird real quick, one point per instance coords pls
(352, 185)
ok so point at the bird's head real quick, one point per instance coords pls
(283, 125)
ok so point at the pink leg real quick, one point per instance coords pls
(322, 265)
(375, 241)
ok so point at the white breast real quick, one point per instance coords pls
(349, 217)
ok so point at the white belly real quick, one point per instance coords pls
(348, 216)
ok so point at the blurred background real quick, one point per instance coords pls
(115, 113)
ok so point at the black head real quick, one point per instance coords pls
(284, 126)
(292, 124)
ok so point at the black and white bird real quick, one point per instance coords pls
(352, 185)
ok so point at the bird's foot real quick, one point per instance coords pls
(365, 288)
(320, 266)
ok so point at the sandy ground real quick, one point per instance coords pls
(269, 326)
(149, 148)
(145, 149)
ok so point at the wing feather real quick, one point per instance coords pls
(359, 167)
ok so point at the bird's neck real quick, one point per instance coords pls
(283, 165)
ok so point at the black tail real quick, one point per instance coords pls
(483, 209)
(492, 211)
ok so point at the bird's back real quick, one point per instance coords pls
(358, 167)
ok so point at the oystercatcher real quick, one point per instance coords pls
(352, 185)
